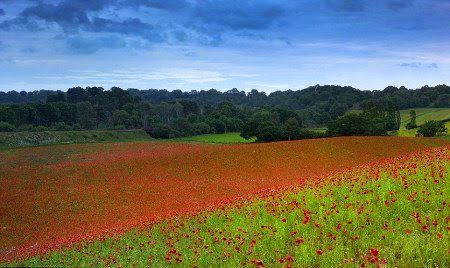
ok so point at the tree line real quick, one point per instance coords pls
(282, 115)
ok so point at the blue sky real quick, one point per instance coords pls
(201, 44)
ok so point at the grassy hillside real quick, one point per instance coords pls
(423, 115)
(26, 139)
(226, 138)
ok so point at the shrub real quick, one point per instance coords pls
(410, 126)
(431, 129)
(163, 131)
(6, 127)
(41, 128)
(201, 128)
(76, 127)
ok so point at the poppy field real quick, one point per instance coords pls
(350, 201)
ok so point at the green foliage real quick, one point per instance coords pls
(86, 115)
(6, 127)
(201, 128)
(60, 126)
(348, 125)
(412, 120)
(422, 115)
(163, 131)
(274, 125)
(432, 128)
(291, 128)
(212, 111)
(41, 128)
(376, 119)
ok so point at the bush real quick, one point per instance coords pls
(201, 128)
(41, 128)
(76, 127)
(60, 126)
(163, 131)
(410, 126)
(6, 127)
(431, 129)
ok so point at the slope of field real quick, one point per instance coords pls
(56, 194)
(226, 138)
(423, 115)
(26, 139)
(393, 212)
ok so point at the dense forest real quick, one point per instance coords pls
(176, 113)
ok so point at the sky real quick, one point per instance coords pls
(267, 45)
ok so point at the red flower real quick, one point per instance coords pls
(319, 252)
(374, 252)
(257, 262)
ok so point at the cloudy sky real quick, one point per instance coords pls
(201, 44)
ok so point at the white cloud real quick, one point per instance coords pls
(140, 76)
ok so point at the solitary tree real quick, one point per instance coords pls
(412, 120)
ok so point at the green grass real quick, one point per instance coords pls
(226, 138)
(9, 140)
(319, 129)
(423, 115)
(393, 214)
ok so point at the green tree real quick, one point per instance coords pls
(86, 115)
(6, 127)
(121, 119)
(291, 128)
(349, 125)
(412, 120)
(163, 131)
(431, 129)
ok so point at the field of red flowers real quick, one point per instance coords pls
(56, 195)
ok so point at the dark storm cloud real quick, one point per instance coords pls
(73, 16)
(202, 21)
(206, 22)
(69, 15)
